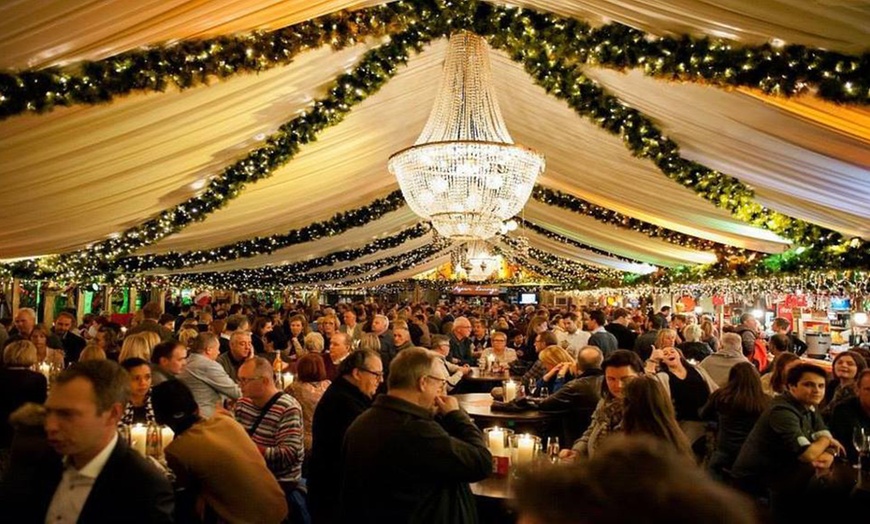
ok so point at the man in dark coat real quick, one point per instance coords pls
(404, 464)
(72, 343)
(100, 479)
(347, 397)
(618, 327)
(151, 313)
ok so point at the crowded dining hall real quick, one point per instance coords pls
(446, 261)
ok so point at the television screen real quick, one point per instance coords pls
(841, 304)
(528, 298)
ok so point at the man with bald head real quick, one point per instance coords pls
(460, 343)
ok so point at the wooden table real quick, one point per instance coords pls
(494, 487)
(478, 382)
(540, 423)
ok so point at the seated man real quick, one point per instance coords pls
(789, 447)
(216, 460)
(579, 396)
(273, 419)
(206, 379)
(168, 360)
(455, 372)
(412, 455)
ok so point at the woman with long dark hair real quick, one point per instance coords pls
(648, 410)
(735, 407)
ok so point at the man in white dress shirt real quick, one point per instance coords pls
(102, 479)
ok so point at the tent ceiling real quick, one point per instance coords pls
(96, 170)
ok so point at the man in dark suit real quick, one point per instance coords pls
(618, 327)
(101, 479)
(72, 343)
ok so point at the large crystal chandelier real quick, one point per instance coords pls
(464, 173)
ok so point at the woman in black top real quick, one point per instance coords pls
(18, 384)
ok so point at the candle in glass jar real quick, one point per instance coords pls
(525, 449)
(139, 438)
(510, 390)
(288, 379)
(166, 435)
(45, 369)
(496, 442)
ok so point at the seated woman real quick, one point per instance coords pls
(561, 368)
(45, 354)
(773, 383)
(138, 409)
(309, 386)
(108, 336)
(137, 345)
(693, 348)
(313, 343)
(688, 386)
(501, 354)
(92, 351)
(845, 368)
(735, 407)
(18, 384)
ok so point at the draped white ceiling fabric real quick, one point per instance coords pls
(77, 175)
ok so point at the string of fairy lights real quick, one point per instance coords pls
(551, 48)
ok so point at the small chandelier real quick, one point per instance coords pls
(464, 172)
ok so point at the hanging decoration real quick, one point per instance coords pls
(550, 47)
(338, 224)
(464, 172)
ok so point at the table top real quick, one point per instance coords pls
(479, 405)
(495, 487)
(478, 376)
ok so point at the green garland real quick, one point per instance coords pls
(549, 46)
(580, 206)
(338, 224)
(373, 70)
(571, 242)
(278, 277)
(787, 71)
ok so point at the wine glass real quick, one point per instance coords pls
(531, 386)
(859, 440)
(543, 392)
(553, 449)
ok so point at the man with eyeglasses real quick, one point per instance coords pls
(411, 457)
(360, 374)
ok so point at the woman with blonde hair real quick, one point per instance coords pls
(45, 354)
(370, 341)
(186, 336)
(19, 384)
(92, 352)
(313, 342)
(561, 368)
(136, 345)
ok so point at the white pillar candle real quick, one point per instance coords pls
(525, 449)
(139, 438)
(288, 379)
(510, 390)
(166, 436)
(496, 442)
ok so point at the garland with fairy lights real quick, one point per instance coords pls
(561, 269)
(338, 224)
(580, 206)
(275, 277)
(789, 70)
(549, 46)
(349, 89)
(531, 226)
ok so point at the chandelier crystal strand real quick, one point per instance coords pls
(464, 172)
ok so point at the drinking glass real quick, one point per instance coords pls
(531, 386)
(543, 392)
(553, 449)
(859, 440)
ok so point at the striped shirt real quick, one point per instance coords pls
(280, 433)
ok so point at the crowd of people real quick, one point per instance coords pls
(326, 414)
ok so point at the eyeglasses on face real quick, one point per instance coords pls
(379, 374)
(443, 381)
